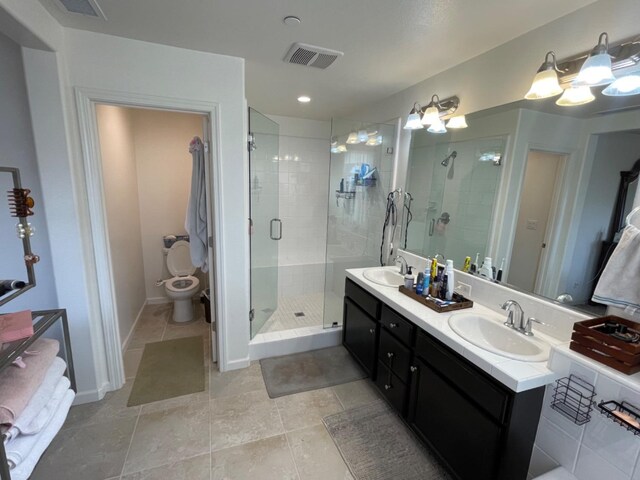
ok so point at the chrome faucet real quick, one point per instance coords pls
(527, 326)
(403, 264)
(515, 315)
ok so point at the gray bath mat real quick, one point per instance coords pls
(305, 371)
(168, 369)
(362, 435)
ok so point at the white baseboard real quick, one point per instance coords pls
(158, 300)
(94, 395)
(238, 364)
(125, 344)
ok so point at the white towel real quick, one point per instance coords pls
(40, 399)
(37, 424)
(26, 450)
(619, 284)
(196, 221)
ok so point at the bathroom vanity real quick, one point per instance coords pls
(478, 411)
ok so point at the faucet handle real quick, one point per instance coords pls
(527, 326)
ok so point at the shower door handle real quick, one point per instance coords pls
(274, 220)
(432, 225)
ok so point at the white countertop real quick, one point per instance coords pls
(516, 375)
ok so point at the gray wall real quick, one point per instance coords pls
(17, 150)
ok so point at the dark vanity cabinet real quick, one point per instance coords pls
(360, 326)
(478, 427)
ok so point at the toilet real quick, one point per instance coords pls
(183, 286)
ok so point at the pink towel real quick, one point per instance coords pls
(17, 385)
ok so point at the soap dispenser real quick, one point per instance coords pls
(486, 270)
(408, 279)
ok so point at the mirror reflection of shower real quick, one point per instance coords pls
(452, 156)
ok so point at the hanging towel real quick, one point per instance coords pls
(196, 221)
(24, 453)
(30, 420)
(19, 384)
(619, 284)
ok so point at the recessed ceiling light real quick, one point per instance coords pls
(292, 20)
(304, 99)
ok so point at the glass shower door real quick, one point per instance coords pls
(266, 225)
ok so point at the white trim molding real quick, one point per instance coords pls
(86, 99)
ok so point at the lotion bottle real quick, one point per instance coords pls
(450, 280)
(408, 279)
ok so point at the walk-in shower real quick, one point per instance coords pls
(317, 203)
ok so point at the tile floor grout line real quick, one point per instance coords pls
(293, 457)
(126, 457)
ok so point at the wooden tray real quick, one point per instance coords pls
(461, 302)
(602, 347)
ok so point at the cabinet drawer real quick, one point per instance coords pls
(394, 355)
(401, 328)
(467, 378)
(393, 389)
(363, 299)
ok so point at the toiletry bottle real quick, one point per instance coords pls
(486, 270)
(408, 279)
(474, 265)
(442, 294)
(434, 269)
(449, 275)
(467, 264)
(499, 274)
(420, 283)
(427, 283)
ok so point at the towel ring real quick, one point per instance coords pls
(631, 214)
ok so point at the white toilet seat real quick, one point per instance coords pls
(182, 284)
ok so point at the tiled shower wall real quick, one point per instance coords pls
(304, 180)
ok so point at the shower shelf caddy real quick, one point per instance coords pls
(624, 414)
(573, 398)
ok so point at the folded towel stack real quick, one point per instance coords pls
(20, 384)
(34, 402)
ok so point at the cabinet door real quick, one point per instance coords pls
(465, 437)
(359, 336)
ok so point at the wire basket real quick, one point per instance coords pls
(624, 414)
(573, 398)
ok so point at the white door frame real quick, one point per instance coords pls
(86, 99)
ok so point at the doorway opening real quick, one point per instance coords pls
(149, 176)
(537, 215)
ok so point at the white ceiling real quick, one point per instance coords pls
(388, 45)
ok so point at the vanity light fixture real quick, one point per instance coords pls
(304, 99)
(352, 139)
(433, 113)
(545, 84)
(413, 120)
(596, 69)
(363, 136)
(342, 148)
(437, 127)
(459, 121)
(624, 86)
(573, 96)
(374, 140)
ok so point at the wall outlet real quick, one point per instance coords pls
(463, 289)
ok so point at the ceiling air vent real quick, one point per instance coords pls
(88, 8)
(311, 56)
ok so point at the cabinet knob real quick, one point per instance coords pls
(390, 354)
(372, 330)
(393, 325)
(387, 387)
(413, 368)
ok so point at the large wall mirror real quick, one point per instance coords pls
(16, 259)
(546, 188)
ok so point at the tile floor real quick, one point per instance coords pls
(232, 430)
(312, 304)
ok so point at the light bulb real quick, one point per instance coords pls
(353, 138)
(413, 122)
(437, 127)
(575, 96)
(431, 116)
(458, 121)
(362, 136)
(623, 86)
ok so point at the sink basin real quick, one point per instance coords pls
(386, 276)
(489, 334)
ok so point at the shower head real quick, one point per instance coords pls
(451, 156)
